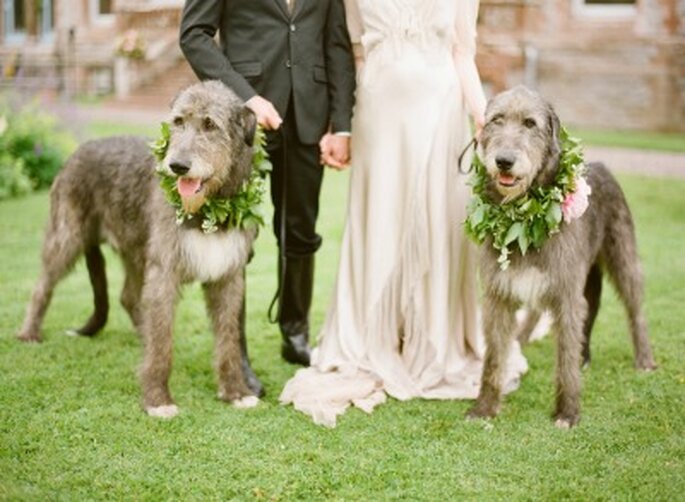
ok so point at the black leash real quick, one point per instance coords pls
(281, 231)
(473, 143)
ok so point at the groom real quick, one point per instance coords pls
(291, 61)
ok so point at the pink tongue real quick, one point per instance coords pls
(188, 187)
(507, 179)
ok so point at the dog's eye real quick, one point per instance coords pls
(209, 125)
(497, 120)
(178, 121)
(530, 123)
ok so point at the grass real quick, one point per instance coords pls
(101, 129)
(640, 140)
(71, 427)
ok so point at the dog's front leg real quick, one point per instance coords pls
(159, 301)
(570, 314)
(499, 322)
(224, 304)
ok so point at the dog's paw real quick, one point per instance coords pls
(28, 337)
(72, 332)
(647, 365)
(166, 411)
(246, 402)
(479, 412)
(566, 421)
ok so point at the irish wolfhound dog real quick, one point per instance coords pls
(520, 148)
(108, 191)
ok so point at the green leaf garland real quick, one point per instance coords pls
(529, 220)
(244, 210)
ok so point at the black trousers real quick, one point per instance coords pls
(295, 187)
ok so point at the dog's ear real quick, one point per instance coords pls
(554, 131)
(249, 123)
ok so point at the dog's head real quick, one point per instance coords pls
(520, 144)
(210, 146)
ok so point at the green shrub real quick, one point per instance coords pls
(33, 148)
(13, 179)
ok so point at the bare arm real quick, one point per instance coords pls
(464, 54)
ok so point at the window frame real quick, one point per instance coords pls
(581, 8)
(47, 22)
(12, 36)
(96, 16)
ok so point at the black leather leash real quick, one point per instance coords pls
(281, 231)
(473, 143)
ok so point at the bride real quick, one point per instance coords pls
(403, 318)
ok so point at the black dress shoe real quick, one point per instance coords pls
(295, 349)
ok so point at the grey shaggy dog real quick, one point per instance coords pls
(108, 192)
(520, 147)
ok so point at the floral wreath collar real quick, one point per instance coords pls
(531, 219)
(243, 210)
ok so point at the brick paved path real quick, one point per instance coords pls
(651, 163)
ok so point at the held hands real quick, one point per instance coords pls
(267, 116)
(335, 151)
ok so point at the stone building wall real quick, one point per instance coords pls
(622, 71)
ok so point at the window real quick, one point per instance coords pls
(102, 11)
(105, 7)
(14, 20)
(46, 20)
(605, 8)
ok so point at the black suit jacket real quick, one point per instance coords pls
(266, 50)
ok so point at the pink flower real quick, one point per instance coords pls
(575, 204)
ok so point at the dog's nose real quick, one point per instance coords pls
(179, 168)
(505, 162)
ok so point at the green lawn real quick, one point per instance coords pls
(71, 427)
(641, 140)
(101, 129)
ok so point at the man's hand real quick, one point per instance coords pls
(267, 116)
(335, 151)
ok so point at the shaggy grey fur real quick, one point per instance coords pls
(521, 139)
(108, 192)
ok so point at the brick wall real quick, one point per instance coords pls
(622, 71)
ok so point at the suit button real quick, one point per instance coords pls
(288, 64)
(293, 28)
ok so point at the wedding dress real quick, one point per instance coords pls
(403, 318)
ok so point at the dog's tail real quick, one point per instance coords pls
(95, 262)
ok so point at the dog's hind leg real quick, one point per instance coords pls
(224, 304)
(593, 296)
(569, 313)
(623, 266)
(61, 249)
(95, 262)
(499, 320)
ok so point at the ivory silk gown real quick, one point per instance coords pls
(403, 317)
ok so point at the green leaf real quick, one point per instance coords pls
(523, 242)
(538, 232)
(476, 218)
(554, 215)
(514, 233)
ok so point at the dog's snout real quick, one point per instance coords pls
(179, 168)
(505, 161)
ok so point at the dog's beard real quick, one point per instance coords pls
(193, 203)
(521, 176)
